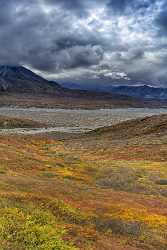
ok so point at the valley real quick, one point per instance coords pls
(79, 120)
(83, 125)
(80, 169)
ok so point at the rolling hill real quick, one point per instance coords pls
(156, 124)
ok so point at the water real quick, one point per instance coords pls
(71, 120)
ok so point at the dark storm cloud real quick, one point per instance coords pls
(161, 19)
(130, 56)
(70, 4)
(87, 39)
(121, 6)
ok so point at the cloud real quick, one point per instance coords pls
(161, 19)
(127, 6)
(120, 5)
(87, 40)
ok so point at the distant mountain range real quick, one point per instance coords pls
(18, 79)
(20, 86)
(142, 92)
(145, 92)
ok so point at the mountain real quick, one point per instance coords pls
(20, 86)
(140, 91)
(20, 79)
(143, 91)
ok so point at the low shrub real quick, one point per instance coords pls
(29, 230)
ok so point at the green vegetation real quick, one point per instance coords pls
(30, 228)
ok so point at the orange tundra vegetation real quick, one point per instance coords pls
(83, 192)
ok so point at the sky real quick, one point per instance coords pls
(87, 40)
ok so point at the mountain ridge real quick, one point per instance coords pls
(141, 91)
(20, 79)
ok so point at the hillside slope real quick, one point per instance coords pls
(138, 127)
(20, 79)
